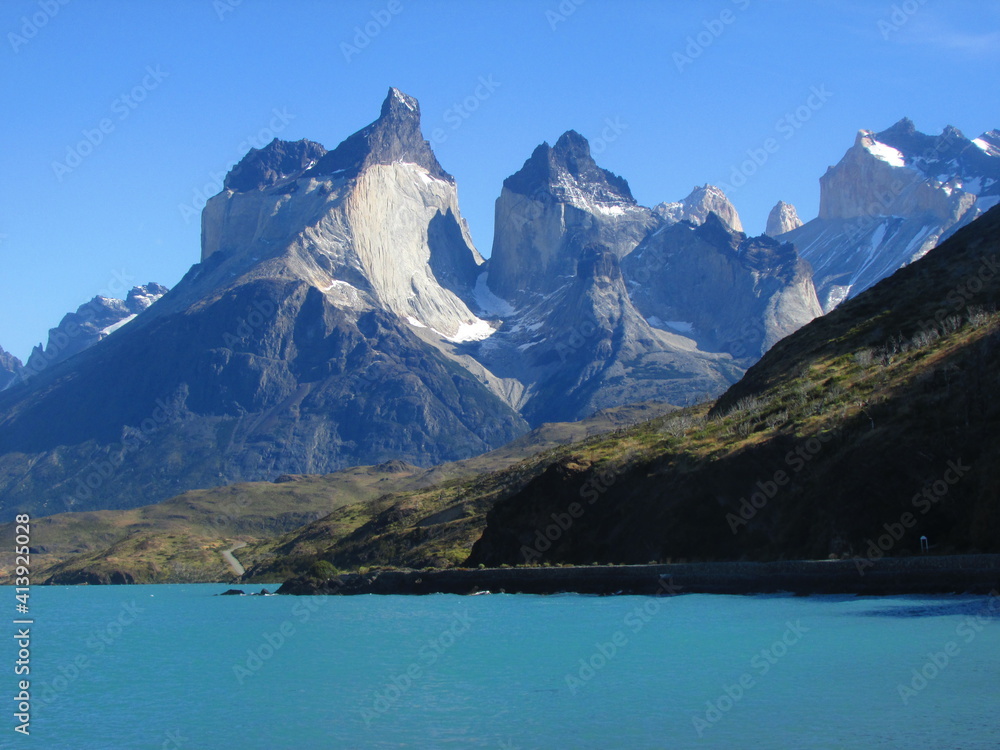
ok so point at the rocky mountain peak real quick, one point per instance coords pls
(568, 172)
(140, 298)
(700, 202)
(400, 105)
(783, 218)
(988, 142)
(901, 171)
(10, 368)
(92, 322)
(902, 129)
(394, 137)
(276, 162)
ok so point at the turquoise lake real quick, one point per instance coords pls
(177, 667)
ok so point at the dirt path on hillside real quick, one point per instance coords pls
(231, 560)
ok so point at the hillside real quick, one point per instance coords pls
(181, 539)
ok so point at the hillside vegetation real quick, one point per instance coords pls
(181, 539)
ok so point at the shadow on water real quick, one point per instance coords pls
(985, 607)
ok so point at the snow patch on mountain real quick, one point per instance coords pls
(488, 302)
(115, 326)
(885, 153)
(475, 331)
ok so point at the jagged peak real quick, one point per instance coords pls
(904, 126)
(699, 203)
(783, 218)
(567, 171)
(716, 231)
(394, 137)
(277, 161)
(399, 104)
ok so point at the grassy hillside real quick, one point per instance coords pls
(181, 539)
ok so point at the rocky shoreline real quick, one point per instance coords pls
(978, 574)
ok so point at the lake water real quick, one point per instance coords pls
(176, 667)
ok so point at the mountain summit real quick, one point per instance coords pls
(892, 197)
(394, 137)
(312, 336)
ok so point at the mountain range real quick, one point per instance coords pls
(340, 314)
(865, 431)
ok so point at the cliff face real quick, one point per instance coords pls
(10, 369)
(728, 292)
(548, 212)
(783, 218)
(894, 196)
(879, 411)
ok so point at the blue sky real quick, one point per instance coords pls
(671, 94)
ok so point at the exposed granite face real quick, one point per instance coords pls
(10, 369)
(726, 291)
(783, 218)
(557, 204)
(701, 202)
(892, 197)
